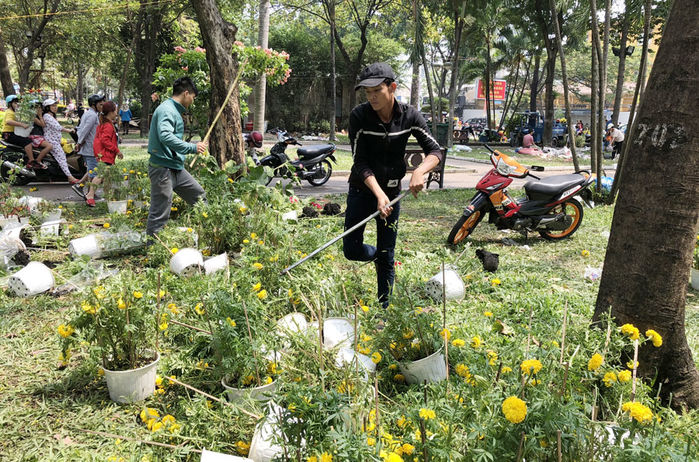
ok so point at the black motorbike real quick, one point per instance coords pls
(311, 165)
(14, 159)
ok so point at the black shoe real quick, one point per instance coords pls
(78, 190)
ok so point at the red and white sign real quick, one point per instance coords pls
(497, 92)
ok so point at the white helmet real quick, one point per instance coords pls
(610, 126)
(49, 102)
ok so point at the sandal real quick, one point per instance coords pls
(74, 181)
(90, 202)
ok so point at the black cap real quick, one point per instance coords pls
(374, 75)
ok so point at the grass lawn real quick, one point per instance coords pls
(45, 410)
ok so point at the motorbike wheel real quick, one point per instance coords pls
(571, 208)
(465, 226)
(322, 174)
(20, 180)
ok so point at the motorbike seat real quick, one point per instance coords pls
(554, 185)
(316, 150)
(307, 161)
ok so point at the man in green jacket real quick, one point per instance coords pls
(167, 151)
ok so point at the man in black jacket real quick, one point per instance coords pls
(379, 131)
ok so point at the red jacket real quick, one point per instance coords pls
(105, 145)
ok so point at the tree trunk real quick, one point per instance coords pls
(569, 119)
(80, 91)
(226, 140)
(618, 94)
(654, 220)
(459, 25)
(333, 78)
(430, 91)
(415, 85)
(535, 83)
(149, 26)
(127, 64)
(487, 85)
(5, 77)
(594, 84)
(548, 103)
(600, 95)
(261, 84)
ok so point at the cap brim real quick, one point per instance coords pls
(369, 83)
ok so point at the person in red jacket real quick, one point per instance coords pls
(105, 146)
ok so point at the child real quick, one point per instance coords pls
(52, 133)
(8, 129)
(37, 137)
(105, 146)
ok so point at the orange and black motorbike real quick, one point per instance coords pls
(550, 207)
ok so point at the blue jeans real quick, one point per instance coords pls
(361, 204)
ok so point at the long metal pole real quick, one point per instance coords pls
(334, 240)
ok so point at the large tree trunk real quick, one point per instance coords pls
(24, 61)
(594, 88)
(548, 102)
(127, 64)
(5, 76)
(226, 139)
(333, 77)
(261, 85)
(618, 94)
(534, 89)
(415, 85)
(656, 217)
(487, 85)
(149, 26)
(459, 26)
(430, 91)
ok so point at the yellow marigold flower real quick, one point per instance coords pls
(595, 362)
(402, 422)
(137, 294)
(630, 331)
(515, 409)
(391, 457)
(173, 308)
(257, 287)
(624, 376)
(609, 379)
(174, 250)
(364, 308)
(392, 367)
(326, 457)
(427, 414)
(371, 441)
(230, 180)
(242, 209)
(105, 226)
(495, 282)
(407, 448)
(638, 411)
(655, 337)
(268, 380)
(631, 365)
(204, 214)
(312, 459)
(262, 294)
(199, 309)
(462, 370)
(399, 378)
(120, 304)
(148, 414)
(231, 322)
(506, 370)
(445, 332)
(257, 265)
(530, 365)
(253, 235)
(246, 241)
(65, 331)
(476, 342)
(488, 314)
(585, 253)
(376, 357)
(408, 334)
(492, 357)
(173, 209)
(242, 447)
(162, 325)
(168, 420)
(458, 342)
(89, 309)
(161, 294)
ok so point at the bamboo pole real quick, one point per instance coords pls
(190, 327)
(563, 335)
(219, 400)
(136, 440)
(254, 356)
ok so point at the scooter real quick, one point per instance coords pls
(550, 206)
(312, 164)
(14, 160)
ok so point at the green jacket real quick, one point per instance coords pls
(165, 144)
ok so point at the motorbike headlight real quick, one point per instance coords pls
(503, 168)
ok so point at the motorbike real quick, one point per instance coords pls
(311, 165)
(14, 159)
(550, 207)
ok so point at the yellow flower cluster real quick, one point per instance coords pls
(488, 314)
(655, 337)
(495, 282)
(515, 409)
(595, 362)
(160, 384)
(427, 414)
(630, 331)
(609, 379)
(530, 365)
(376, 357)
(445, 333)
(151, 417)
(462, 370)
(624, 376)
(199, 309)
(89, 309)
(492, 357)
(458, 342)
(476, 342)
(324, 457)
(257, 265)
(242, 447)
(65, 331)
(638, 411)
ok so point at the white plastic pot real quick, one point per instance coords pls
(338, 331)
(291, 324)
(261, 393)
(10, 245)
(695, 279)
(50, 228)
(31, 202)
(452, 286)
(12, 221)
(87, 245)
(33, 279)
(217, 263)
(211, 456)
(54, 215)
(290, 216)
(187, 262)
(132, 385)
(347, 357)
(117, 206)
(262, 446)
(431, 369)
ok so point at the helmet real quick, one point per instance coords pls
(525, 131)
(48, 102)
(255, 138)
(610, 126)
(11, 98)
(94, 99)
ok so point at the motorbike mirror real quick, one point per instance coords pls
(537, 168)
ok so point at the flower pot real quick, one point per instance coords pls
(338, 331)
(262, 446)
(187, 262)
(431, 369)
(291, 324)
(31, 202)
(50, 228)
(10, 245)
(211, 456)
(132, 385)
(290, 216)
(451, 285)
(117, 206)
(695, 279)
(347, 357)
(53, 215)
(217, 263)
(261, 393)
(33, 279)
(87, 245)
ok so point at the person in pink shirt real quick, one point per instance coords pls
(527, 140)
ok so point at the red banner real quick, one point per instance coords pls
(496, 93)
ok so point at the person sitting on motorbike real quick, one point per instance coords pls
(253, 141)
(8, 130)
(52, 133)
(37, 137)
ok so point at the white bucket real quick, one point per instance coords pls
(132, 385)
(432, 369)
(10, 245)
(187, 262)
(291, 324)
(262, 446)
(50, 228)
(349, 357)
(117, 206)
(31, 202)
(217, 263)
(87, 245)
(33, 279)
(12, 221)
(261, 393)
(211, 456)
(453, 288)
(290, 216)
(54, 215)
(695, 279)
(338, 331)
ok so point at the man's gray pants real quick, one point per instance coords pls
(163, 181)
